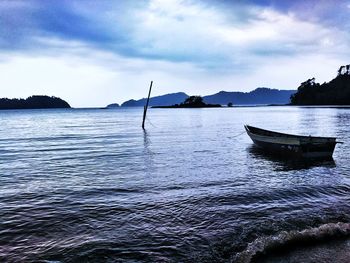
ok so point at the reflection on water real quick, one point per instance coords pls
(147, 153)
(92, 186)
(279, 163)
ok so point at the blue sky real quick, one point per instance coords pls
(95, 52)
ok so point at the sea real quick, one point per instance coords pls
(89, 185)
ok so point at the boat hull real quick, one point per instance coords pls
(285, 145)
(307, 151)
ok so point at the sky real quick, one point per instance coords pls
(96, 52)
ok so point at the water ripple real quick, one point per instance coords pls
(91, 186)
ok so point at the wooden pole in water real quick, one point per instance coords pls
(146, 106)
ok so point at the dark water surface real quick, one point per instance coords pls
(91, 186)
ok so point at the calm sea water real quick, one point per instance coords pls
(92, 186)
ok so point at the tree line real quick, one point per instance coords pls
(33, 102)
(335, 92)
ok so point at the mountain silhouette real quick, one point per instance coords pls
(164, 100)
(259, 96)
(112, 106)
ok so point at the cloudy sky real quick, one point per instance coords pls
(95, 52)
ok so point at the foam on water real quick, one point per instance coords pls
(288, 240)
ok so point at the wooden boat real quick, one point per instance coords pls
(292, 145)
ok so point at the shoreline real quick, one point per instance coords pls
(167, 107)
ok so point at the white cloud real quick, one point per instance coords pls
(105, 78)
(80, 84)
(183, 46)
(209, 37)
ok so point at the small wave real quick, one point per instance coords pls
(263, 245)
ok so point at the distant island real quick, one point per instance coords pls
(335, 92)
(33, 102)
(112, 106)
(191, 102)
(164, 100)
(259, 96)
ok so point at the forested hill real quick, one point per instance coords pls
(335, 92)
(33, 102)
